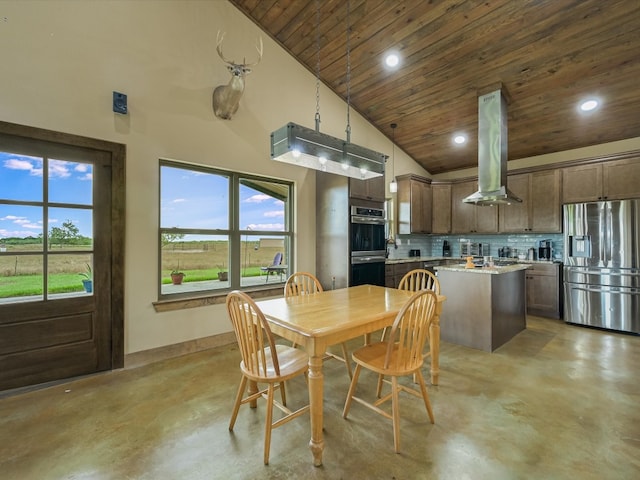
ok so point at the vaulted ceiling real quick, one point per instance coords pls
(547, 54)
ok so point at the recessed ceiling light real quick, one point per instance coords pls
(589, 105)
(392, 60)
(460, 139)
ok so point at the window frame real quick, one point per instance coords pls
(234, 234)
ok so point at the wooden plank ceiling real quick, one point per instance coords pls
(548, 55)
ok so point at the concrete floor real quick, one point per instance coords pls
(556, 402)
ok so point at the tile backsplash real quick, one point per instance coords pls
(431, 245)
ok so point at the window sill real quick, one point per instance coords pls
(168, 305)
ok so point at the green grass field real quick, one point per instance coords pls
(21, 275)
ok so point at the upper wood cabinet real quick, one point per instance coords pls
(441, 211)
(546, 207)
(467, 217)
(517, 216)
(371, 189)
(414, 205)
(613, 180)
(540, 210)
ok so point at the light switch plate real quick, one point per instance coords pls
(120, 103)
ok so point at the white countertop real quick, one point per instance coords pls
(485, 270)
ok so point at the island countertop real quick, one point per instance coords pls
(496, 270)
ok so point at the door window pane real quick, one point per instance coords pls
(70, 273)
(70, 182)
(21, 278)
(70, 228)
(21, 228)
(20, 177)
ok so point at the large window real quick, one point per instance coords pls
(221, 230)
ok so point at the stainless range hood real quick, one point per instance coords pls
(492, 153)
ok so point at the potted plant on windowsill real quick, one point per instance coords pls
(223, 275)
(177, 277)
(87, 280)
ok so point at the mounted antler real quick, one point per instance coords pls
(227, 97)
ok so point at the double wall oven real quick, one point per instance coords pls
(367, 245)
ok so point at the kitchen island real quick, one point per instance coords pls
(486, 307)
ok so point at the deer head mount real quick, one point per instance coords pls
(227, 97)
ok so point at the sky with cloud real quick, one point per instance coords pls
(190, 199)
(69, 184)
(193, 199)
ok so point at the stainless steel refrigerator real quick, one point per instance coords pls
(601, 264)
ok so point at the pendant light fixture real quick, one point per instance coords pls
(393, 186)
(298, 145)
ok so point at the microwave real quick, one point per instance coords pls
(471, 249)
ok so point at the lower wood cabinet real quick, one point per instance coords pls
(544, 290)
(395, 271)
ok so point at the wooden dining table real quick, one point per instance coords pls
(334, 316)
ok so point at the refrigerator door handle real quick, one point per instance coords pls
(602, 233)
(607, 234)
(604, 289)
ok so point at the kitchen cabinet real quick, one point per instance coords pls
(467, 217)
(414, 205)
(546, 205)
(544, 283)
(441, 211)
(517, 216)
(540, 210)
(613, 180)
(371, 189)
(395, 271)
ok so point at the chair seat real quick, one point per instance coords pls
(292, 362)
(372, 357)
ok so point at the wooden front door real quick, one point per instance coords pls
(61, 222)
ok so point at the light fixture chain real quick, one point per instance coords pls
(393, 152)
(317, 65)
(348, 72)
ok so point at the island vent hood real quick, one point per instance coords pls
(492, 152)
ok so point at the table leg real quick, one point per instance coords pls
(434, 344)
(316, 387)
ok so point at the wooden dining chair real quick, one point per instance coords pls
(304, 283)
(413, 281)
(420, 279)
(399, 355)
(263, 362)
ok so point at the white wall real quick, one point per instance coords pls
(61, 61)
